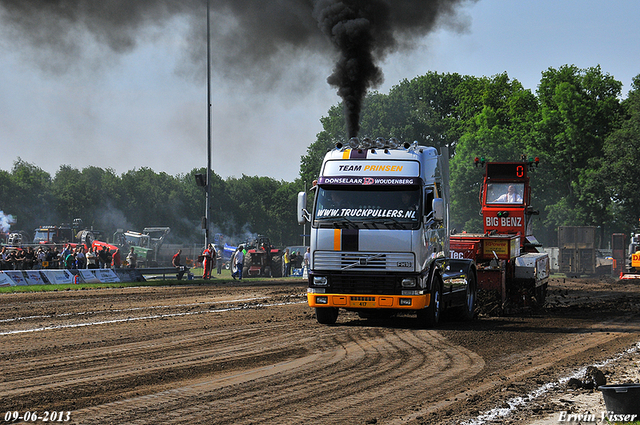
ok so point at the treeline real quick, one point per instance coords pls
(141, 198)
(586, 136)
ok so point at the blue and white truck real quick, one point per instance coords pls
(380, 237)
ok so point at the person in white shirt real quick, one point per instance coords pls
(307, 258)
(510, 196)
(132, 259)
(238, 260)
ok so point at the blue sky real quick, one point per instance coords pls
(141, 109)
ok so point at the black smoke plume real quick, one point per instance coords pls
(352, 27)
(251, 39)
(365, 32)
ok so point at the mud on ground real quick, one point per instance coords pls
(242, 352)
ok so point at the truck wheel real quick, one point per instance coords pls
(430, 316)
(467, 312)
(540, 295)
(326, 315)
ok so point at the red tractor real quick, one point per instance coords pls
(262, 259)
(512, 272)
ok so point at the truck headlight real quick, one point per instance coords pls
(316, 290)
(320, 280)
(322, 300)
(409, 282)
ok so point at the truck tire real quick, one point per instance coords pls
(430, 316)
(467, 312)
(540, 295)
(327, 315)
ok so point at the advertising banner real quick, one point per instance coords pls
(17, 277)
(5, 280)
(58, 277)
(105, 275)
(34, 277)
(88, 277)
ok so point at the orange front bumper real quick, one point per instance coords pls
(405, 302)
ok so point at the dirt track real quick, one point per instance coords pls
(243, 353)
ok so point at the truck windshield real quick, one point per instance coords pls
(401, 204)
(41, 236)
(505, 193)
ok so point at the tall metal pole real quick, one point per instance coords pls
(208, 199)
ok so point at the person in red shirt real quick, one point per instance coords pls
(175, 261)
(116, 261)
(208, 262)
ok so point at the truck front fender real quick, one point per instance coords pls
(455, 268)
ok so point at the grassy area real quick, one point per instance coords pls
(80, 286)
(224, 277)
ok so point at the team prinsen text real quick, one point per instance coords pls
(370, 168)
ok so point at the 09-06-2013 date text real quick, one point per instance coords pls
(46, 416)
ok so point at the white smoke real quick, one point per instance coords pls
(6, 220)
(111, 217)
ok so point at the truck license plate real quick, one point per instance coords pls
(363, 304)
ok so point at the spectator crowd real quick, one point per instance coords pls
(50, 257)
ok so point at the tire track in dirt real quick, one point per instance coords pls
(74, 362)
(147, 360)
(275, 364)
(356, 370)
(485, 395)
(86, 365)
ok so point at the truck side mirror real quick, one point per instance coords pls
(438, 209)
(303, 215)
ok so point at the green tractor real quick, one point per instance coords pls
(146, 245)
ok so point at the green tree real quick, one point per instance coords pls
(621, 164)
(77, 193)
(8, 192)
(499, 131)
(586, 138)
(144, 197)
(311, 162)
(425, 109)
(263, 206)
(32, 200)
(579, 108)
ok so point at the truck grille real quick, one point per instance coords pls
(358, 284)
(364, 261)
